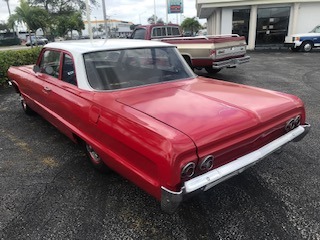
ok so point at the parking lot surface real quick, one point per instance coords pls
(48, 190)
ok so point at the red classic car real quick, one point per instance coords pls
(139, 110)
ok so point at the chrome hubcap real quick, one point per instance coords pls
(307, 47)
(93, 155)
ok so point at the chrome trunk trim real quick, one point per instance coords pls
(170, 200)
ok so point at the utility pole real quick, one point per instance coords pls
(166, 11)
(105, 18)
(155, 12)
(88, 19)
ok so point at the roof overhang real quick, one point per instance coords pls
(206, 7)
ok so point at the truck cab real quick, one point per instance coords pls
(304, 41)
(156, 31)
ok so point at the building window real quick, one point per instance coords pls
(272, 25)
(240, 22)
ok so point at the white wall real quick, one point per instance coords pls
(226, 20)
(308, 17)
(210, 25)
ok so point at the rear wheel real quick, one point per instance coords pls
(95, 159)
(307, 46)
(26, 107)
(211, 70)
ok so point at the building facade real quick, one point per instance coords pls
(116, 28)
(260, 21)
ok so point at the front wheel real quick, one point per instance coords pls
(95, 159)
(211, 70)
(307, 46)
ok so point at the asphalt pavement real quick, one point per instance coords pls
(48, 190)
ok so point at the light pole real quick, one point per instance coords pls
(155, 12)
(105, 18)
(167, 11)
(88, 19)
(95, 18)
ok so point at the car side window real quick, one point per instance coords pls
(176, 31)
(139, 33)
(68, 72)
(50, 63)
(159, 32)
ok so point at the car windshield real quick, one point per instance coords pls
(118, 69)
(316, 30)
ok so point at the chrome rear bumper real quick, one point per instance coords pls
(231, 62)
(170, 200)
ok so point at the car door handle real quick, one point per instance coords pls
(47, 89)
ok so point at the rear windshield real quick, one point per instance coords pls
(118, 69)
(165, 31)
(139, 34)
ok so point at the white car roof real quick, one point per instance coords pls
(85, 46)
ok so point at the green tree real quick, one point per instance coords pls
(191, 24)
(65, 15)
(4, 26)
(59, 7)
(64, 24)
(33, 17)
(160, 21)
(154, 19)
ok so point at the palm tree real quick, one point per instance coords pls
(7, 1)
(191, 24)
(33, 17)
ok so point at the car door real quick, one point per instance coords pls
(317, 37)
(66, 106)
(48, 68)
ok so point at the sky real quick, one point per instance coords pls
(125, 10)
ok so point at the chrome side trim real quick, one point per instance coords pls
(170, 200)
(231, 62)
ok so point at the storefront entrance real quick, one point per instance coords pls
(272, 25)
(240, 22)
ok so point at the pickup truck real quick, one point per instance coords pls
(304, 41)
(209, 52)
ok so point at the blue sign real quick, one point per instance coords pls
(175, 6)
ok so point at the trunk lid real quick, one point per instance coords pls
(208, 110)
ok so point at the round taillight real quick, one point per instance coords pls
(290, 125)
(188, 170)
(297, 120)
(207, 163)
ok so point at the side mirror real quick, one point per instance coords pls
(36, 68)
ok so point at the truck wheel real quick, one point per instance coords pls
(211, 70)
(26, 107)
(188, 60)
(95, 159)
(307, 46)
(295, 49)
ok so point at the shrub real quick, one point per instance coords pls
(16, 58)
